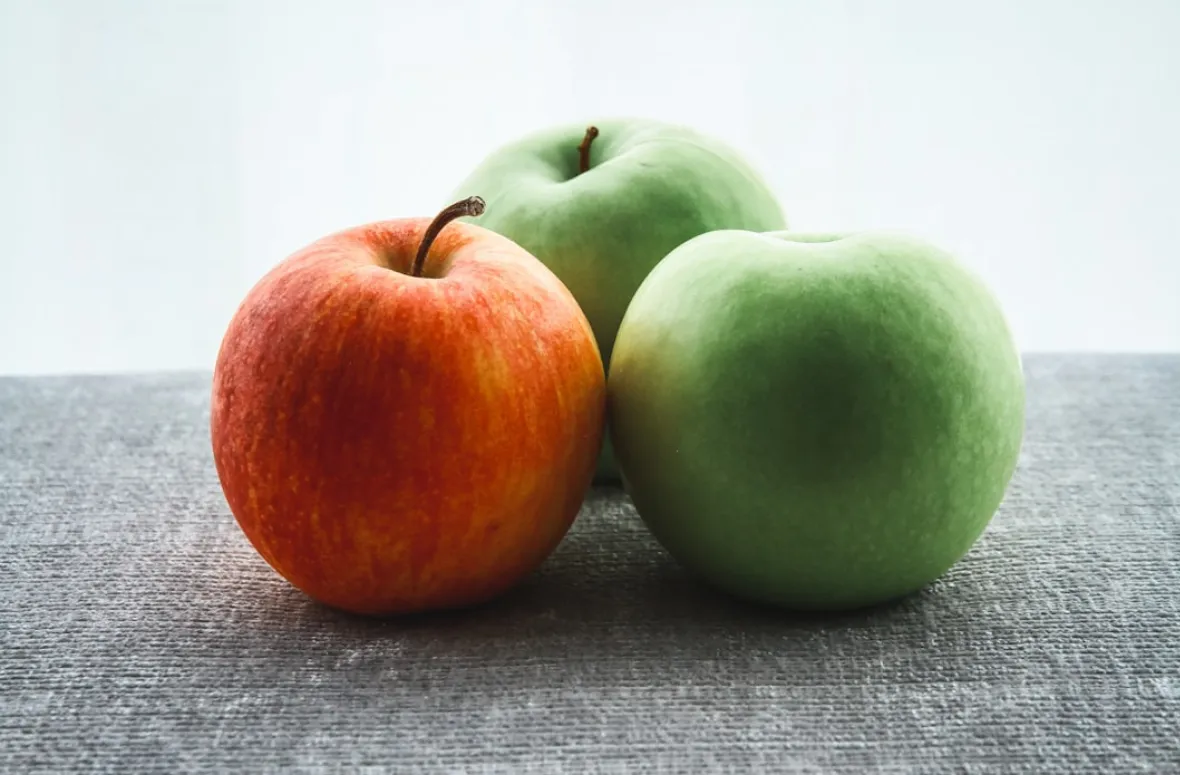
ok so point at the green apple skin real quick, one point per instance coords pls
(650, 187)
(817, 422)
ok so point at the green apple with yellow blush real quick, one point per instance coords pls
(601, 203)
(815, 421)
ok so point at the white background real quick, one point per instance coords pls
(157, 156)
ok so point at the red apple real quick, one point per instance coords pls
(406, 415)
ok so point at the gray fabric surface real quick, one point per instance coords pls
(140, 632)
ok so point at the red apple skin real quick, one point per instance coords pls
(393, 444)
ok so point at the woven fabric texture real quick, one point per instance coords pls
(139, 632)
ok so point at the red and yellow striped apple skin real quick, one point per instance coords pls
(393, 444)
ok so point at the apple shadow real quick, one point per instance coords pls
(608, 584)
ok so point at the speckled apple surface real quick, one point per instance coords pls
(397, 441)
(815, 421)
(650, 187)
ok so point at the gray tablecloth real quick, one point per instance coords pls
(140, 632)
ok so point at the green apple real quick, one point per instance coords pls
(815, 421)
(600, 206)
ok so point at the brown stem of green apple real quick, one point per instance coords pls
(584, 149)
(470, 206)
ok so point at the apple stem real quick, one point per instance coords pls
(584, 149)
(472, 205)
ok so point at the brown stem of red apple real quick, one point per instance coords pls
(472, 205)
(584, 149)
